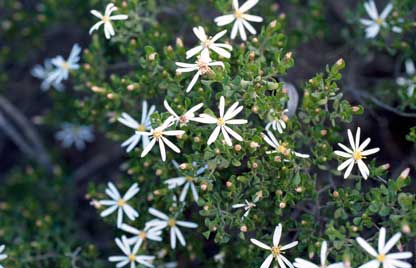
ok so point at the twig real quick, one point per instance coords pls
(29, 132)
(96, 163)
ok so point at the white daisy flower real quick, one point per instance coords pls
(120, 203)
(355, 155)
(208, 43)
(280, 147)
(222, 121)
(63, 67)
(164, 221)
(277, 250)
(141, 235)
(43, 72)
(202, 67)
(377, 21)
(106, 20)
(241, 19)
(182, 119)
(187, 182)
(392, 260)
(278, 124)
(3, 255)
(130, 256)
(158, 135)
(77, 135)
(248, 205)
(301, 263)
(144, 125)
(408, 81)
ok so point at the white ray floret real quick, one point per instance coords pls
(355, 155)
(241, 19)
(43, 72)
(164, 221)
(106, 20)
(278, 124)
(3, 255)
(130, 256)
(186, 182)
(144, 125)
(77, 135)
(409, 81)
(63, 67)
(382, 256)
(376, 21)
(280, 147)
(224, 119)
(159, 135)
(301, 263)
(247, 205)
(182, 119)
(276, 250)
(119, 203)
(202, 67)
(209, 43)
(141, 235)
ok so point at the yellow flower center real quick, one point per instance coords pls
(106, 19)
(238, 14)
(203, 67)
(65, 65)
(120, 202)
(381, 257)
(379, 21)
(183, 119)
(357, 155)
(141, 128)
(172, 222)
(132, 258)
(142, 235)
(220, 121)
(207, 43)
(157, 134)
(189, 178)
(275, 251)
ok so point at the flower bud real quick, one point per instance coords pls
(158, 172)
(179, 42)
(273, 23)
(355, 109)
(183, 166)
(282, 205)
(385, 166)
(406, 229)
(254, 165)
(131, 87)
(404, 174)
(324, 132)
(229, 184)
(237, 147)
(335, 194)
(204, 187)
(255, 109)
(252, 56)
(244, 228)
(254, 145)
(152, 56)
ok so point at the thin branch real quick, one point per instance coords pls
(26, 127)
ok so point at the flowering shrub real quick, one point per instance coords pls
(198, 142)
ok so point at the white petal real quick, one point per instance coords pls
(267, 262)
(158, 214)
(349, 169)
(148, 148)
(187, 224)
(371, 264)
(363, 169)
(193, 82)
(367, 247)
(277, 235)
(224, 20)
(381, 239)
(290, 245)
(390, 244)
(248, 5)
(214, 135)
(260, 244)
